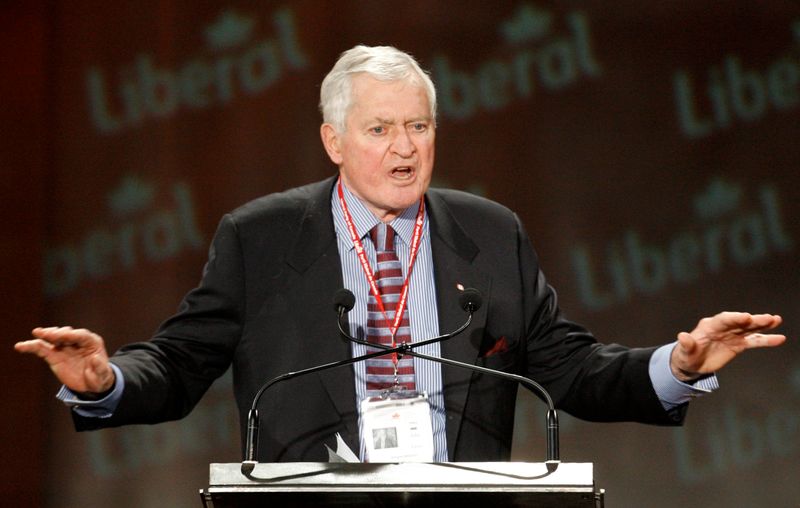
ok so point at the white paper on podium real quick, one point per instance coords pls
(343, 452)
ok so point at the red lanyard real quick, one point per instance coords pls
(362, 257)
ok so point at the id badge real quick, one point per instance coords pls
(397, 427)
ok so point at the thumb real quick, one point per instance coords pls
(687, 342)
(99, 374)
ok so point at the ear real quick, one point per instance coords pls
(331, 142)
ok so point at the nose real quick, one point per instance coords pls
(403, 145)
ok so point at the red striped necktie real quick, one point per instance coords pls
(389, 278)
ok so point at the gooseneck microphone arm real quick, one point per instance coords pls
(251, 441)
(344, 301)
(469, 302)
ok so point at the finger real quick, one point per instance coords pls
(742, 322)
(65, 336)
(756, 340)
(43, 331)
(747, 320)
(37, 347)
(52, 334)
(766, 321)
(735, 322)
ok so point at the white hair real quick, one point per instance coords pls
(384, 63)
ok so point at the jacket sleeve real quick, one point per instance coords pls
(166, 376)
(589, 380)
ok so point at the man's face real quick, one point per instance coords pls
(385, 156)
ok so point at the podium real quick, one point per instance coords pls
(461, 484)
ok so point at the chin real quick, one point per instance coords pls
(407, 201)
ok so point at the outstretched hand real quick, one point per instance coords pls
(77, 357)
(718, 340)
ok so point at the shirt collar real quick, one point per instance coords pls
(364, 220)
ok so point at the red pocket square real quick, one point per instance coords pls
(500, 346)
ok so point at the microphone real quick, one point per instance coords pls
(470, 300)
(253, 420)
(344, 300)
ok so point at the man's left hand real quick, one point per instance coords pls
(717, 340)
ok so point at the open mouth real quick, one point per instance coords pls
(402, 172)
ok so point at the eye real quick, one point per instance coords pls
(379, 129)
(419, 127)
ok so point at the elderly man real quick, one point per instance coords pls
(406, 252)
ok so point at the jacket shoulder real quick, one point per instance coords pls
(285, 206)
(467, 201)
(473, 209)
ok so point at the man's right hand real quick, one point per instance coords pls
(77, 357)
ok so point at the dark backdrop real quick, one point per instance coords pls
(651, 150)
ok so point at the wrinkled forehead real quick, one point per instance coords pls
(368, 92)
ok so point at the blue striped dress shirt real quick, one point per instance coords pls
(421, 303)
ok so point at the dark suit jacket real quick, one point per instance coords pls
(265, 305)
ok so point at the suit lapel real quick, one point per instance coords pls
(315, 255)
(453, 256)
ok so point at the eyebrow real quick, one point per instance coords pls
(412, 120)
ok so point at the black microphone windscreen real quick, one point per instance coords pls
(344, 299)
(470, 300)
